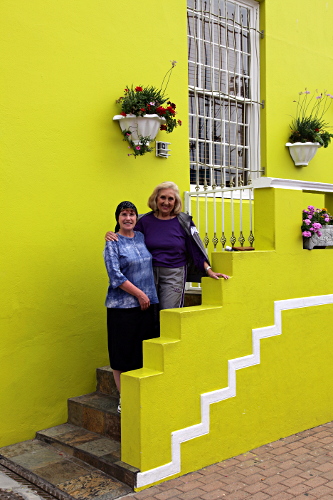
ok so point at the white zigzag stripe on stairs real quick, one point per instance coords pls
(188, 433)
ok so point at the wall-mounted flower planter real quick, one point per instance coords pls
(144, 126)
(325, 240)
(302, 152)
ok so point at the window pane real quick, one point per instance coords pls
(220, 102)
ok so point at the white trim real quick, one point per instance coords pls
(273, 182)
(182, 435)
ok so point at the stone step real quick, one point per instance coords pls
(95, 412)
(97, 450)
(105, 382)
(63, 476)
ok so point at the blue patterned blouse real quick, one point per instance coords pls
(128, 259)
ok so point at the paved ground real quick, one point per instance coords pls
(297, 467)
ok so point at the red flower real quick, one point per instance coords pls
(317, 129)
(138, 89)
(123, 113)
(163, 127)
(171, 110)
(160, 110)
(142, 109)
(179, 122)
(172, 104)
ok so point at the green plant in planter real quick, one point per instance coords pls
(314, 219)
(138, 149)
(148, 100)
(309, 124)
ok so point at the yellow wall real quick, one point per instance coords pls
(289, 390)
(64, 168)
(295, 53)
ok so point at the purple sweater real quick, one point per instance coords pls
(168, 243)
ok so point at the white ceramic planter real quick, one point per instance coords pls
(145, 126)
(325, 240)
(302, 152)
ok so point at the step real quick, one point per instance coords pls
(105, 381)
(63, 476)
(192, 298)
(97, 450)
(95, 412)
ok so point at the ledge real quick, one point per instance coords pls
(274, 182)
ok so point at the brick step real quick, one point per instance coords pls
(99, 451)
(64, 475)
(95, 412)
(105, 382)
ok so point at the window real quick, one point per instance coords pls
(223, 69)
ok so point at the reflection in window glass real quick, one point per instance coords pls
(223, 91)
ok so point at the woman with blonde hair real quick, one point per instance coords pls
(174, 242)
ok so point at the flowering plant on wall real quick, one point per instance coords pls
(309, 124)
(314, 219)
(144, 101)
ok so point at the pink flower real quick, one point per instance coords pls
(316, 225)
(306, 234)
(309, 216)
(311, 208)
(307, 222)
(319, 233)
(138, 148)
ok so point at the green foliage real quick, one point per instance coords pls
(138, 149)
(309, 125)
(141, 102)
(149, 100)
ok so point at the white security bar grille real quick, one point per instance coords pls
(223, 59)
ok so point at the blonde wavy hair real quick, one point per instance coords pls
(152, 201)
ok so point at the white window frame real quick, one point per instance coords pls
(252, 123)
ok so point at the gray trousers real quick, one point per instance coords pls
(170, 286)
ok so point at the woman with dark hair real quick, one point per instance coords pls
(131, 294)
(173, 240)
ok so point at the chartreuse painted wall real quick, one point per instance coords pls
(188, 407)
(64, 169)
(295, 53)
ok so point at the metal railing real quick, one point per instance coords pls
(223, 217)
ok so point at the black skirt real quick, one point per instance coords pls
(127, 328)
